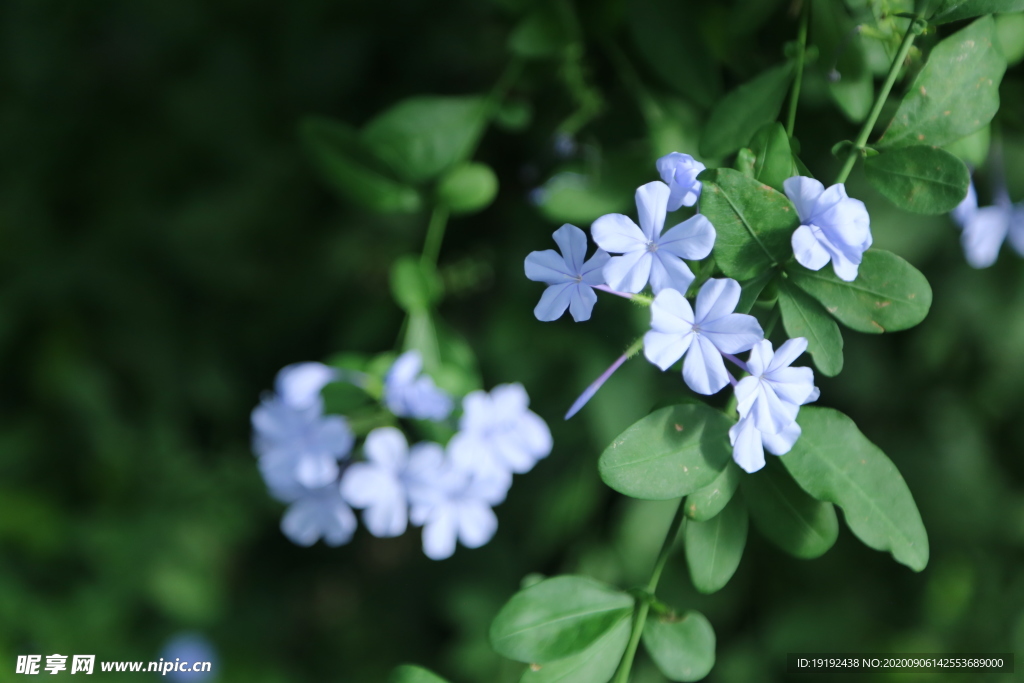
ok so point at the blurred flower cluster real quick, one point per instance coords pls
(310, 459)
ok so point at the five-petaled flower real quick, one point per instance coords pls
(569, 277)
(833, 227)
(703, 335)
(680, 171)
(646, 252)
(407, 393)
(768, 403)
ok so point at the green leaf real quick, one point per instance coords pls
(407, 673)
(738, 115)
(468, 187)
(352, 170)
(414, 286)
(753, 222)
(714, 548)
(955, 94)
(668, 454)
(919, 179)
(596, 664)
(973, 149)
(774, 163)
(786, 515)
(834, 462)
(955, 10)
(655, 26)
(575, 198)
(888, 295)
(421, 137)
(542, 33)
(744, 162)
(556, 618)
(802, 316)
(705, 503)
(682, 647)
(1010, 32)
(842, 57)
(751, 289)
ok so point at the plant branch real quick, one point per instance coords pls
(801, 42)
(876, 110)
(643, 606)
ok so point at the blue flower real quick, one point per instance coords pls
(454, 505)
(498, 434)
(408, 393)
(186, 650)
(833, 227)
(319, 513)
(391, 476)
(299, 384)
(680, 171)
(570, 278)
(774, 392)
(298, 447)
(986, 228)
(647, 253)
(702, 335)
(749, 443)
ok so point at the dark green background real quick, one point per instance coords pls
(165, 247)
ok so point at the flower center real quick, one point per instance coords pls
(652, 246)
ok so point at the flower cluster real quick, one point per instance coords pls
(986, 228)
(306, 459)
(833, 228)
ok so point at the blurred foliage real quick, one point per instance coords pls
(166, 246)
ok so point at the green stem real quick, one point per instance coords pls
(643, 606)
(435, 235)
(801, 41)
(876, 110)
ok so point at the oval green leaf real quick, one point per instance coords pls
(352, 170)
(705, 503)
(786, 515)
(668, 454)
(738, 115)
(468, 187)
(802, 316)
(596, 664)
(955, 94)
(834, 462)
(556, 618)
(955, 10)
(422, 136)
(753, 222)
(714, 548)
(682, 647)
(919, 179)
(408, 673)
(774, 160)
(888, 295)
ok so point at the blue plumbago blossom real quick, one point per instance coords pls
(185, 650)
(298, 446)
(749, 443)
(774, 392)
(408, 393)
(680, 171)
(498, 434)
(454, 505)
(569, 277)
(833, 227)
(298, 385)
(986, 228)
(703, 335)
(319, 513)
(646, 252)
(392, 475)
